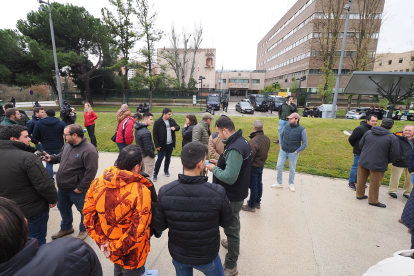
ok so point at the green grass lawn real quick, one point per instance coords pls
(328, 153)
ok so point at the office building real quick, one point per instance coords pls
(395, 62)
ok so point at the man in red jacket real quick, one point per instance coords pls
(125, 134)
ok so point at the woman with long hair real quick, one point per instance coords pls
(187, 132)
(90, 118)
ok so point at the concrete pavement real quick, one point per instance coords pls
(321, 229)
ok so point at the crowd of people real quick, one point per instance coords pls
(121, 210)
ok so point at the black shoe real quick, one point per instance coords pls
(407, 196)
(379, 204)
(364, 197)
(352, 186)
(393, 195)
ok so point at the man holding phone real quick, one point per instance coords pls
(284, 112)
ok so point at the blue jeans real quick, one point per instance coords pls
(161, 155)
(49, 167)
(256, 186)
(215, 268)
(39, 147)
(121, 146)
(38, 226)
(65, 202)
(293, 159)
(354, 169)
(282, 124)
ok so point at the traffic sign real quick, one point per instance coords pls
(31, 92)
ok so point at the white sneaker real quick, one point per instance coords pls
(150, 272)
(276, 185)
(292, 188)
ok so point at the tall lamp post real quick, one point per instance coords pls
(338, 77)
(200, 78)
(300, 82)
(54, 48)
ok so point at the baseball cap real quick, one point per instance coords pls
(294, 115)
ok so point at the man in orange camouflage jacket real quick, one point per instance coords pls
(117, 213)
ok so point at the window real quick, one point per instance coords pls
(255, 81)
(239, 81)
(400, 60)
(412, 58)
(407, 70)
(390, 62)
(221, 80)
(401, 70)
(380, 63)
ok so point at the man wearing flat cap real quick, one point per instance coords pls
(293, 139)
(201, 131)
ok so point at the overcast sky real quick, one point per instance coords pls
(231, 27)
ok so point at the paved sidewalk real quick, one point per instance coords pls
(321, 229)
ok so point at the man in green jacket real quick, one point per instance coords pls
(284, 111)
(12, 117)
(201, 131)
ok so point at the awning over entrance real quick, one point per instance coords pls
(394, 86)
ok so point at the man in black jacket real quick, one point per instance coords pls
(25, 180)
(379, 147)
(198, 205)
(370, 111)
(143, 139)
(49, 132)
(232, 171)
(21, 255)
(164, 140)
(354, 141)
(78, 166)
(38, 113)
(400, 165)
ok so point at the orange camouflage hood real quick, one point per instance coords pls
(117, 210)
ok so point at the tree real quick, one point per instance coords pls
(364, 32)
(326, 85)
(294, 86)
(272, 88)
(76, 30)
(146, 22)
(124, 37)
(177, 56)
(328, 28)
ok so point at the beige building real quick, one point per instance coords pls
(239, 84)
(205, 65)
(395, 62)
(291, 48)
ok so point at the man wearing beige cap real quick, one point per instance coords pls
(293, 139)
(201, 132)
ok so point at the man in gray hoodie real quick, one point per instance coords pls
(379, 147)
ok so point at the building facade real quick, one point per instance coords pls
(205, 65)
(291, 48)
(239, 84)
(394, 62)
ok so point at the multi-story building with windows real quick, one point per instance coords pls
(291, 48)
(394, 62)
(239, 84)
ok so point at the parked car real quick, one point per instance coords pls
(246, 100)
(356, 113)
(256, 101)
(244, 107)
(278, 100)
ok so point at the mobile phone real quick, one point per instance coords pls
(40, 154)
(207, 162)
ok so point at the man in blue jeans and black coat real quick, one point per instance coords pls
(354, 141)
(193, 209)
(78, 166)
(164, 139)
(260, 145)
(293, 140)
(284, 112)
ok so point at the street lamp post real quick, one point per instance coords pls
(201, 78)
(54, 48)
(338, 77)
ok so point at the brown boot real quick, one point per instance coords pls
(62, 234)
(230, 272)
(82, 235)
(224, 243)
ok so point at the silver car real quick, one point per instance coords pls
(357, 113)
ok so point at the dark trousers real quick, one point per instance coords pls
(65, 202)
(49, 167)
(91, 133)
(233, 236)
(161, 154)
(412, 238)
(121, 146)
(119, 271)
(256, 186)
(38, 226)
